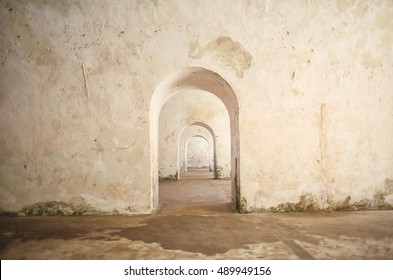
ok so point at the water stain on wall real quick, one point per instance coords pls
(231, 53)
(371, 62)
(309, 202)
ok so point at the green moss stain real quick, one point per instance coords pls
(169, 177)
(57, 208)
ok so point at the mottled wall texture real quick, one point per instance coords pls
(313, 81)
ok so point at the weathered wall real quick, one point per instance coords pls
(185, 108)
(313, 81)
(74, 119)
(198, 154)
(322, 93)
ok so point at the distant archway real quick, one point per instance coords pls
(203, 79)
(187, 154)
(213, 143)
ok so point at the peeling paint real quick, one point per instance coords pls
(231, 53)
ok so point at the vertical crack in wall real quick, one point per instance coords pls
(322, 141)
(85, 82)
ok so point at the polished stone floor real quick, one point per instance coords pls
(195, 221)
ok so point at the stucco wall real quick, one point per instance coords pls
(313, 81)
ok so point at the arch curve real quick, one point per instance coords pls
(209, 81)
(197, 136)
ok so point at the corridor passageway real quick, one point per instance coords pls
(195, 193)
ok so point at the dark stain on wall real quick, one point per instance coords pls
(231, 53)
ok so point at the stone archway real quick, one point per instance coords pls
(213, 144)
(203, 79)
(187, 153)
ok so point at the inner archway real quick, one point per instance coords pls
(189, 131)
(206, 80)
(197, 153)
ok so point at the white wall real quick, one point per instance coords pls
(313, 80)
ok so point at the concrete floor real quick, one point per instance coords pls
(196, 221)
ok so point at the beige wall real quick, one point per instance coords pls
(313, 81)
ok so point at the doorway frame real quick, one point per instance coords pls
(209, 81)
(214, 144)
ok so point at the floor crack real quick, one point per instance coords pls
(296, 248)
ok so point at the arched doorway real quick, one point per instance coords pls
(197, 153)
(203, 79)
(210, 138)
